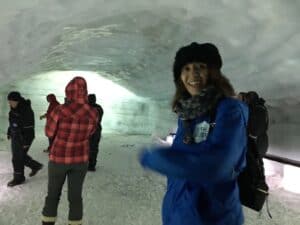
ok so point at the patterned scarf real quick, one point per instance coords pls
(198, 105)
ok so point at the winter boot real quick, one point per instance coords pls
(91, 168)
(48, 223)
(17, 180)
(35, 169)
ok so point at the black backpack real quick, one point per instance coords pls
(258, 124)
(252, 181)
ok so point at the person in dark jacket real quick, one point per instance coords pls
(71, 125)
(51, 98)
(95, 138)
(202, 186)
(21, 134)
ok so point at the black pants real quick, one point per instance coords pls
(50, 143)
(20, 157)
(94, 147)
(57, 174)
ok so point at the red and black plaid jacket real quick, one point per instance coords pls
(52, 104)
(71, 125)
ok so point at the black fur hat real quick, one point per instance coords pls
(14, 96)
(206, 53)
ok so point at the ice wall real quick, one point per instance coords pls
(124, 112)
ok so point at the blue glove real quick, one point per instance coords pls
(162, 160)
(143, 157)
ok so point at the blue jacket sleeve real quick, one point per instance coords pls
(215, 160)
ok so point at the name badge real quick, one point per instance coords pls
(201, 131)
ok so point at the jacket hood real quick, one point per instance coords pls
(76, 90)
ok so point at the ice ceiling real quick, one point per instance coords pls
(133, 43)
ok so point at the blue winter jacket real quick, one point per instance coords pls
(202, 177)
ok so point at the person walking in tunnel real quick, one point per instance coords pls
(202, 175)
(71, 125)
(51, 99)
(21, 134)
(95, 138)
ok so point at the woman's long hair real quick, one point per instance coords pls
(214, 78)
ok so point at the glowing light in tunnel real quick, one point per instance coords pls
(291, 180)
(110, 95)
(104, 89)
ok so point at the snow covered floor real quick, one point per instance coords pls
(118, 193)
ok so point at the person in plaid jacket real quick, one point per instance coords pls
(70, 126)
(51, 98)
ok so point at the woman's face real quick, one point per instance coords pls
(194, 77)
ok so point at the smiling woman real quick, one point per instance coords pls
(207, 154)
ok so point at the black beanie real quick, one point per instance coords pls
(206, 53)
(14, 96)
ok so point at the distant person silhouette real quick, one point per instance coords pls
(96, 137)
(21, 134)
(51, 98)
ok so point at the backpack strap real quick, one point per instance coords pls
(212, 119)
(268, 209)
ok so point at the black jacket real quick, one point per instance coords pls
(100, 112)
(21, 122)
